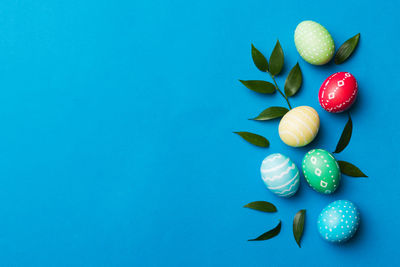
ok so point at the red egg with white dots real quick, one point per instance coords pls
(338, 92)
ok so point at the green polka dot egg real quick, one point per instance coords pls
(321, 171)
(314, 43)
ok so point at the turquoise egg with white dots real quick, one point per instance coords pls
(314, 43)
(321, 171)
(338, 222)
(280, 175)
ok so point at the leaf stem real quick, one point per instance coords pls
(277, 88)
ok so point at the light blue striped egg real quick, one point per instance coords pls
(280, 175)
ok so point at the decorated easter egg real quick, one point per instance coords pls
(321, 171)
(299, 126)
(280, 175)
(338, 221)
(314, 43)
(338, 92)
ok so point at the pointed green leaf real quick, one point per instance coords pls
(346, 49)
(261, 206)
(276, 60)
(271, 113)
(345, 137)
(259, 86)
(270, 234)
(350, 170)
(293, 81)
(259, 60)
(254, 139)
(298, 225)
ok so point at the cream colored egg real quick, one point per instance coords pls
(299, 126)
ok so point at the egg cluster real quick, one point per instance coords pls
(339, 220)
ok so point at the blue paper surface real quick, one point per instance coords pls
(116, 143)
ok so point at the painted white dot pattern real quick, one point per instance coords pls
(338, 92)
(321, 171)
(314, 43)
(338, 221)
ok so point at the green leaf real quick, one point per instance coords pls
(271, 113)
(259, 86)
(261, 206)
(254, 139)
(345, 137)
(350, 170)
(293, 81)
(259, 60)
(298, 225)
(276, 60)
(270, 234)
(346, 49)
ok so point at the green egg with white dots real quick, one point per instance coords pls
(314, 43)
(321, 171)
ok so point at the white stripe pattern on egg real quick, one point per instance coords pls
(309, 118)
(288, 190)
(280, 175)
(286, 183)
(295, 126)
(275, 168)
(284, 132)
(301, 123)
(272, 158)
(304, 124)
(273, 178)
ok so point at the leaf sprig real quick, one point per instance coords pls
(254, 139)
(346, 49)
(271, 113)
(347, 168)
(350, 170)
(262, 87)
(261, 206)
(274, 68)
(345, 137)
(293, 81)
(298, 225)
(270, 234)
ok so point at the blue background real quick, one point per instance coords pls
(116, 144)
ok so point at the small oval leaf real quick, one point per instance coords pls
(276, 60)
(254, 139)
(271, 113)
(259, 60)
(293, 81)
(346, 49)
(261, 206)
(298, 225)
(350, 170)
(345, 137)
(270, 234)
(259, 86)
